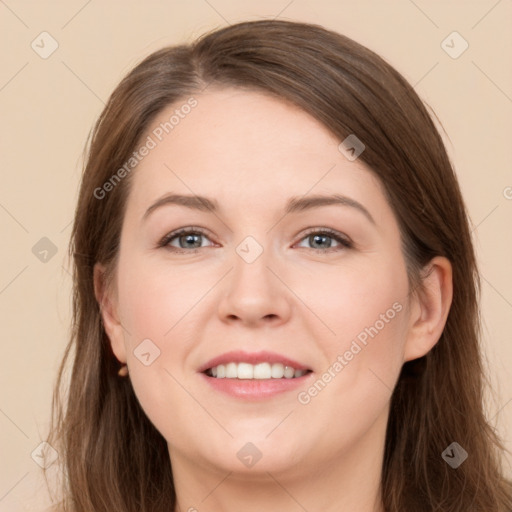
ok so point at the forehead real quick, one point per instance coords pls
(245, 147)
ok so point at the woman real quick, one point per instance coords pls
(275, 302)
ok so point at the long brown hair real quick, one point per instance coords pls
(114, 458)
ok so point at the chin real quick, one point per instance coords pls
(255, 455)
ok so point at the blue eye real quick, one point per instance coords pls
(190, 240)
(325, 237)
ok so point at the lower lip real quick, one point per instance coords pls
(255, 389)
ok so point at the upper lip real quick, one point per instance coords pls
(239, 356)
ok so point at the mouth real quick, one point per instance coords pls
(260, 371)
(254, 376)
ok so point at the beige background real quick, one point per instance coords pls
(49, 105)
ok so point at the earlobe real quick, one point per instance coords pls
(108, 311)
(431, 307)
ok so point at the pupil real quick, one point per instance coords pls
(317, 237)
(190, 238)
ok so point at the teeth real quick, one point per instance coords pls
(258, 371)
(277, 371)
(245, 371)
(289, 372)
(262, 371)
(231, 371)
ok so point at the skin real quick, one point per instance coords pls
(251, 153)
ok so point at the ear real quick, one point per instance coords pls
(429, 308)
(107, 301)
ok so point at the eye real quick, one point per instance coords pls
(322, 239)
(187, 240)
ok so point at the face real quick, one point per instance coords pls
(261, 278)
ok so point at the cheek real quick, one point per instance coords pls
(367, 310)
(155, 299)
(359, 300)
(156, 305)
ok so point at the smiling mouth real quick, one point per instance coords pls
(260, 371)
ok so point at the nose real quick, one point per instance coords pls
(255, 294)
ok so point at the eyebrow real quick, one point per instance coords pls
(294, 204)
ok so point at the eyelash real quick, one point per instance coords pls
(344, 241)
